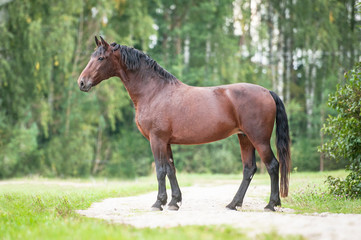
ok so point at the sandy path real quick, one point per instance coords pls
(205, 205)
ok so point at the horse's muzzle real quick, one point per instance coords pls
(84, 86)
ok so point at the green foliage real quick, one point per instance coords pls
(348, 187)
(17, 153)
(345, 132)
(304, 155)
(49, 128)
(218, 157)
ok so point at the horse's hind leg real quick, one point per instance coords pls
(249, 169)
(272, 166)
(171, 173)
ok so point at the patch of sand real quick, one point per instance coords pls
(205, 205)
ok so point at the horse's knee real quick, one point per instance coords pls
(170, 169)
(161, 170)
(249, 171)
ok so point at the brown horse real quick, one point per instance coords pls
(171, 112)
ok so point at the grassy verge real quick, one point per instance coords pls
(309, 194)
(45, 209)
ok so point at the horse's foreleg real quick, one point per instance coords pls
(249, 169)
(171, 173)
(159, 149)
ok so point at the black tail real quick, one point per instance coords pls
(283, 144)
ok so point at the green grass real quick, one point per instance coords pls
(309, 194)
(45, 209)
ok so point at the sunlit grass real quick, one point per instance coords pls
(37, 208)
(309, 194)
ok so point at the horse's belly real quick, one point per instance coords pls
(198, 133)
(201, 138)
(208, 118)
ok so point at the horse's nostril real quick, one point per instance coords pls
(81, 83)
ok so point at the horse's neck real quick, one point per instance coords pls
(142, 88)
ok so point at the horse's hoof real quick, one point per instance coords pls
(173, 207)
(155, 209)
(269, 208)
(231, 207)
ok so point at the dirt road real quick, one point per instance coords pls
(205, 205)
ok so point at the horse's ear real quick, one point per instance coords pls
(97, 41)
(104, 43)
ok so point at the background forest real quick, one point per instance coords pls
(299, 49)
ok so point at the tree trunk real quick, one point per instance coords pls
(322, 156)
(270, 45)
(97, 160)
(74, 71)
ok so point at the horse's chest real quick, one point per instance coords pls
(141, 129)
(153, 121)
(143, 123)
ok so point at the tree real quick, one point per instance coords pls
(345, 129)
(47, 126)
(297, 48)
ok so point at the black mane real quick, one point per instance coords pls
(134, 59)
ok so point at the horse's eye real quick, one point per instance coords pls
(100, 58)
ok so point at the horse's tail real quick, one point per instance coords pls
(283, 144)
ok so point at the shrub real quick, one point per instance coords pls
(345, 132)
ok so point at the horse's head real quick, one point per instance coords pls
(102, 65)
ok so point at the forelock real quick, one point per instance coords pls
(99, 51)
